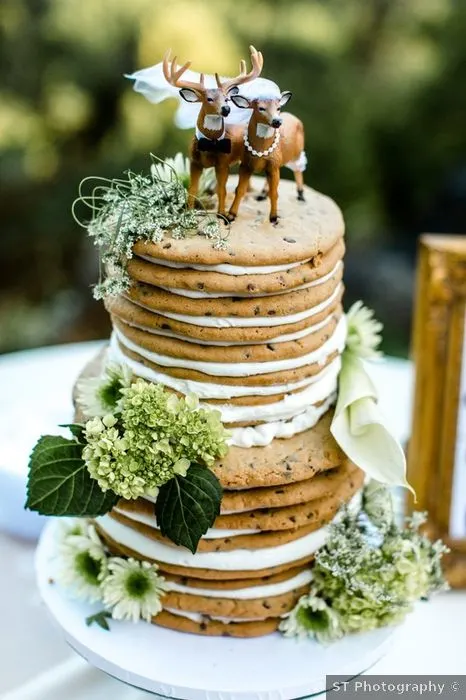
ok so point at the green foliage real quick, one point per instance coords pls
(138, 208)
(100, 618)
(187, 506)
(59, 482)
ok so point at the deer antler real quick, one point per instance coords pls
(173, 73)
(243, 77)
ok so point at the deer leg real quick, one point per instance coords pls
(221, 171)
(194, 177)
(298, 176)
(273, 178)
(241, 189)
(263, 194)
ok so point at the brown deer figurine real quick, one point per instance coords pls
(271, 140)
(216, 143)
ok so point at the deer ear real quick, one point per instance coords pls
(240, 101)
(233, 91)
(189, 95)
(285, 97)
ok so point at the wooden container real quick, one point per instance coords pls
(437, 449)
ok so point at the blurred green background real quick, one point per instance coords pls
(379, 84)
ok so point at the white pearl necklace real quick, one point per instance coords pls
(261, 154)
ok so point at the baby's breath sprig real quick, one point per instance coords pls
(138, 208)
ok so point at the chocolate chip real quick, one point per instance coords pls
(290, 240)
(200, 285)
(251, 287)
(271, 347)
(208, 313)
(256, 310)
(271, 312)
(266, 605)
(165, 326)
(203, 626)
(166, 246)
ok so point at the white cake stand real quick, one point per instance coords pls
(191, 667)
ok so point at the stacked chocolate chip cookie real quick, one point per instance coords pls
(256, 330)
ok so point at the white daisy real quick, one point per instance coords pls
(312, 617)
(82, 562)
(179, 167)
(132, 589)
(98, 396)
(363, 331)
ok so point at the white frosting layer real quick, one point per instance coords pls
(236, 560)
(225, 268)
(335, 343)
(195, 294)
(211, 534)
(266, 591)
(260, 435)
(199, 617)
(249, 321)
(290, 406)
(222, 343)
(206, 390)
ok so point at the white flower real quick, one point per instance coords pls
(312, 617)
(179, 167)
(83, 561)
(132, 589)
(363, 331)
(98, 396)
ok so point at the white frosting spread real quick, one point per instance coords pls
(260, 435)
(290, 406)
(207, 390)
(251, 593)
(222, 343)
(199, 617)
(194, 294)
(247, 321)
(211, 534)
(226, 268)
(335, 343)
(236, 560)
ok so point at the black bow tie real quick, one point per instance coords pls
(214, 145)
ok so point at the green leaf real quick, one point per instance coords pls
(100, 618)
(76, 429)
(59, 483)
(188, 505)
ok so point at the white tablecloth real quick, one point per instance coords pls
(35, 389)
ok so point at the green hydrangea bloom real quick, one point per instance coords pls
(155, 436)
(369, 573)
(371, 579)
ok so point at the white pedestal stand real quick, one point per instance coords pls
(190, 667)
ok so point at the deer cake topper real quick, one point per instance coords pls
(236, 120)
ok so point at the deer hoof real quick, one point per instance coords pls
(223, 217)
(301, 196)
(231, 217)
(274, 219)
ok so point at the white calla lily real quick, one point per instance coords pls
(359, 427)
